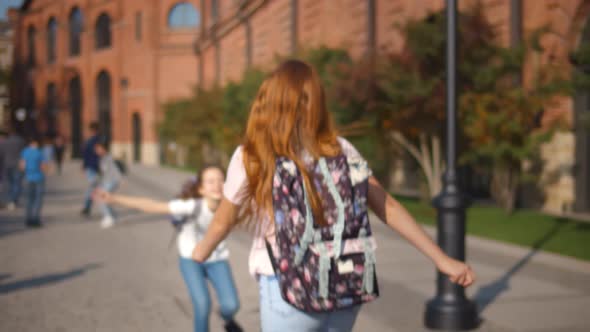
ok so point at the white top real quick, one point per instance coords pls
(109, 172)
(199, 217)
(259, 262)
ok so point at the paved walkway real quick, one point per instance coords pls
(73, 276)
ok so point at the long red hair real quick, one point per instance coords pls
(288, 116)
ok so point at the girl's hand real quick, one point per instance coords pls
(457, 271)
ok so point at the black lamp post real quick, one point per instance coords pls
(450, 309)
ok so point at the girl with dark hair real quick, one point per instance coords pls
(196, 205)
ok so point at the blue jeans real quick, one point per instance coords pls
(34, 201)
(276, 315)
(219, 274)
(13, 178)
(107, 210)
(92, 177)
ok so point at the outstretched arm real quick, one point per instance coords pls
(397, 217)
(224, 220)
(139, 203)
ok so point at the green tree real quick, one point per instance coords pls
(191, 123)
(497, 116)
(351, 97)
(236, 103)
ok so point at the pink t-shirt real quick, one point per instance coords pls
(259, 262)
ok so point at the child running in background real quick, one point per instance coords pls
(196, 205)
(110, 176)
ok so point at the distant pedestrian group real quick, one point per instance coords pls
(29, 161)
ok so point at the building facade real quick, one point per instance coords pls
(117, 61)
(237, 34)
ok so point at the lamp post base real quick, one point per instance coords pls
(455, 316)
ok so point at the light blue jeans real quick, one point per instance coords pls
(219, 274)
(92, 178)
(107, 209)
(13, 179)
(276, 315)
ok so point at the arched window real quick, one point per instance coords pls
(31, 35)
(30, 101)
(214, 11)
(183, 15)
(51, 110)
(102, 32)
(51, 40)
(75, 23)
(75, 94)
(103, 103)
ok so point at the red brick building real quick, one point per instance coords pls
(80, 61)
(117, 61)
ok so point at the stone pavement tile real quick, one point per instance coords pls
(72, 276)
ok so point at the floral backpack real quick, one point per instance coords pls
(324, 268)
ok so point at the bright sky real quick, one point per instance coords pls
(5, 4)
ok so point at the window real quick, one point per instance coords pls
(30, 102)
(75, 31)
(31, 35)
(138, 26)
(51, 40)
(103, 103)
(51, 108)
(102, 32)
(183, 15)
(214, 11)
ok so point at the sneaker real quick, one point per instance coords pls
(85, 213)
(232, 326)
(11, 206)
(34, 223)
(107, 222)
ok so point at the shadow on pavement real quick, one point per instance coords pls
(50, 192)
(487, 294)
(11, 224)
(46, 279)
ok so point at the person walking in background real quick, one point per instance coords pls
(90, 167)
(195, 205)
(10, 152)
(34, 165)
(60, 147)
(110, 176)
(307, 192)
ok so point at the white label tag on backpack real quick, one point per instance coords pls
(345, 266)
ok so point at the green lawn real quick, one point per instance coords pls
(524, 227)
